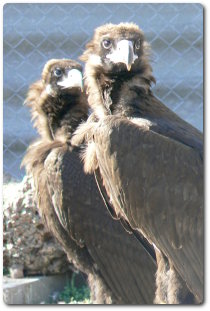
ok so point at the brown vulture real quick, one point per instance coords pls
(147, 158)
(118, 268)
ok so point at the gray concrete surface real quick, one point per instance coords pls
(33, 290)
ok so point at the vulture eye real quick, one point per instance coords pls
(138, 44)
(107, 44)
(58, 72)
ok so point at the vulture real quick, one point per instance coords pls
(118, 268)
(146, 159)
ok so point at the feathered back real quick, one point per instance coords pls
(37, 152)
(36, 95)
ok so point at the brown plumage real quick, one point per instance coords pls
(57, 109)
(118, 269)
(150, 160)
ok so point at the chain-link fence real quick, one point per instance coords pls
(34, 33)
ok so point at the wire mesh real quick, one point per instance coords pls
(34, 33)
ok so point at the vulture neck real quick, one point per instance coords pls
(116, 94)
(63, 115)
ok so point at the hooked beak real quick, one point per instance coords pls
(123, 54)
(74, 79)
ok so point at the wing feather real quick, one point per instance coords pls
(159, 184)
(117, 256)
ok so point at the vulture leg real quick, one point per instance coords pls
(100, 294)
(161, 278)
(170, 287)
(178, 293)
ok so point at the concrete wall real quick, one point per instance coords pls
(33, 290)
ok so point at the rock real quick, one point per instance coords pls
(27, 244)
(16, 271)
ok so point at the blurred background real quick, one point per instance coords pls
(35, 33)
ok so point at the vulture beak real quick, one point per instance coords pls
(73, 79)
(123, 53)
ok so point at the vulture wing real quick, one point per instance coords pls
(165, 122)
(93, 237)
(155, 181)
(37, 158)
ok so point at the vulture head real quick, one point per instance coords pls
(57, 102)
(117, 49)
(116, 53)
(62, 77)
